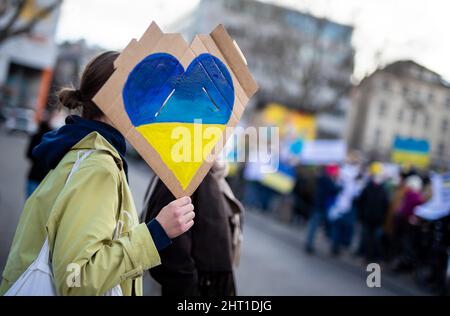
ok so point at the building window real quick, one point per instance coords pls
(386, 85)
(405, 91)
(417, 95)
(377, 137)
(382, 109)
(426, 121)
(430, 97)
(400, 115)
(447, 102)
(413, 118)
(444, 125)
(441, 149)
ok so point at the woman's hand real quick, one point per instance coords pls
(177, 217)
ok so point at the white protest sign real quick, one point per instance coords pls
(439, 205)
(321, 152)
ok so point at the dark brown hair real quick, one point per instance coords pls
(96, 73)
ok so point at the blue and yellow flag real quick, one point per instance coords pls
(410, 151)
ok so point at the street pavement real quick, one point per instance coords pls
(272, 261)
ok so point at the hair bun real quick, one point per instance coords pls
(70, 98)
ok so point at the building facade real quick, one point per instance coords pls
(27, 61)
(72, 58)
(404, 99)
(298, 60)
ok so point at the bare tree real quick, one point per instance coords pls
(305, 63)
(10, 12)
(316, 75)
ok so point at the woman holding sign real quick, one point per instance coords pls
(81, 220)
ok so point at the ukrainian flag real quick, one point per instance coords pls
(411, 151)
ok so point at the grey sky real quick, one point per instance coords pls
(385, 30)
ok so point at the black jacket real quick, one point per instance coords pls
(373, 204)
(37, 170)
(199, 262)
(325, 193)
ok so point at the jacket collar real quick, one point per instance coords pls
(96, 141)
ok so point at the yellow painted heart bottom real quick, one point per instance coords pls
(183, 147)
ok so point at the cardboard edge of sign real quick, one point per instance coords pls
(218, 43)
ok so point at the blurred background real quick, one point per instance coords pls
(358, 90)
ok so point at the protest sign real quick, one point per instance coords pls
(411, 151)
(439, 204)
(322, 152)
(177, 104)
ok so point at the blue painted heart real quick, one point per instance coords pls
(159, 90)
(160, 96)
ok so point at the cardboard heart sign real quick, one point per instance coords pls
(163, 88)
(172, 98)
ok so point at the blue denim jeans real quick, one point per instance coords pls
(317, 219)
(370, 245)
(342, 231)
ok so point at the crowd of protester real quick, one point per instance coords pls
(369, 213)
(365, 211)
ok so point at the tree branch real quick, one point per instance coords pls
(9, 31)
(331, 105)
(312, 69)
(3, 7)
(315, 76)
(6, 29)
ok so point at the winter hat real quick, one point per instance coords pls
(414, 183)
(375, 169)
(332, 170)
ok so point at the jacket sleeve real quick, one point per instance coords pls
(83, 241)
(361, 204)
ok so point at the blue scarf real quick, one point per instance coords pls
(57, 143)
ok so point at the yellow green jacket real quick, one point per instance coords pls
(80, 219)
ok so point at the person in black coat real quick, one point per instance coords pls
(326, 192)
(372, 207)
(303, 194)
(37, 171)
(200, 261)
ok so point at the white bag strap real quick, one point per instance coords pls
(82, 155)
(43, 260)
(77, 163)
